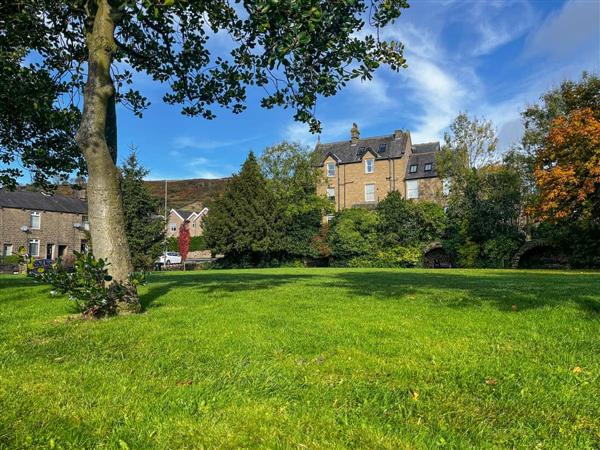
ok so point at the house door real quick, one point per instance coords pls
(62, 249)
(49, 251)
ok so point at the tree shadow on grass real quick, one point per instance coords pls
(501, 289)
(208, 282)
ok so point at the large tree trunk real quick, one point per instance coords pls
(105, 208)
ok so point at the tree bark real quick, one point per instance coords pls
(105, 208)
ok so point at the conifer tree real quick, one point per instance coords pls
(244, 221)
(145, 231)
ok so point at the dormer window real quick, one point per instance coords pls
(369, 165)
(412, 168)
(428, 167)
(331, 169)
(382, 148)
(34, 220)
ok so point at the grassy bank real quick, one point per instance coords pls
(309, 358)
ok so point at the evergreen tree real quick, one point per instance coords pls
(145, 232)
(245, 221)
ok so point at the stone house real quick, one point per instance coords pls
(47, 226)
(178, 216)
(362, 172)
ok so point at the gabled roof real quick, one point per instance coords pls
(189, 215)
(381, 146)
(37, 201)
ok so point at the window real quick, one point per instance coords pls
(412, 168)
(428, 167)
(446, 186)
(369, 165)
(329, 218)
(412, 189)
(331, 194)
(330, 169)
(34, 220)
(369, 192)
(173, 226)
(34, 247)
(7, 250)
(84, 247)
(381, 148)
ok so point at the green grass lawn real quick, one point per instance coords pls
(309, 358)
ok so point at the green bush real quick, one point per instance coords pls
(197, 243)
(468, 254)
(11, 259)
(410, 256)
(353, 233)
(86, 285)
(499, 251)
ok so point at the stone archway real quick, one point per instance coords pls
(436, 257)
(540, 254)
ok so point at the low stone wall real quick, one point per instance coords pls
(199, 254)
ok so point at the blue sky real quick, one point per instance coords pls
(490, 58)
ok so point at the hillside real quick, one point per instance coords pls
(190, 194)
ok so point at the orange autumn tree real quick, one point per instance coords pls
(567, 169)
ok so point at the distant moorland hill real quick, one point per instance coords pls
(191, 194)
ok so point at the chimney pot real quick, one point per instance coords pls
(398, 134)
(355, 134)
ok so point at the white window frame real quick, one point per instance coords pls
(410, 168)
(7, 249)
(33, 214)
(329, 218)
(330, 169)
(430, 165)
(369, 162)
(33, 241)
(412, 189)
(368, 193)
(331, 193)
(172, 227)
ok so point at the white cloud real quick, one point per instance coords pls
(375, 90)
(498, 23)
(575, 26)
(198, 143)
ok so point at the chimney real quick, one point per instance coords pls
(355, 134)
(398, 134)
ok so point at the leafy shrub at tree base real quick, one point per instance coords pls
(89, 286)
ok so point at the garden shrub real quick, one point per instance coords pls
(468, 254)
(89, 286)
(11, 259)
(410, 256)
(498, 252)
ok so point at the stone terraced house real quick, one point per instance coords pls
(362, 172)
(47, 226)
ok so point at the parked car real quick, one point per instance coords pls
(169, 258)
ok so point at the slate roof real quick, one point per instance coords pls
(185, 214)
(344, 152)
(422, 154)
(37, 201)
